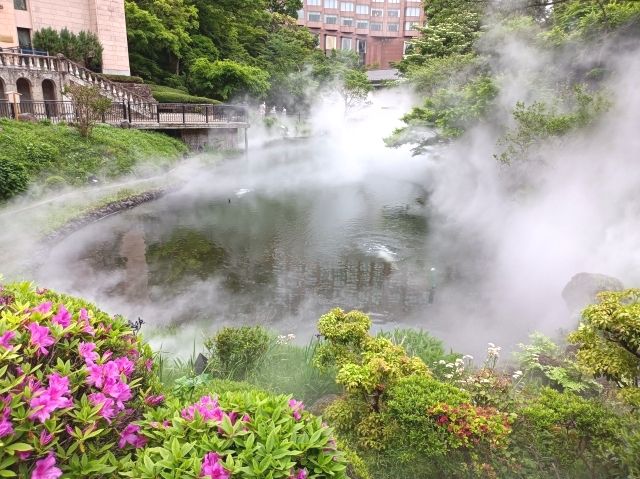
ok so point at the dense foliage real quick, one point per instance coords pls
(41, 150)
(72, 380)
(456, 65)
(83, 47)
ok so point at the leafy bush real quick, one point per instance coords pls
(225, 79)
(421, 344)
(123, 78)
(13, 178)
(83, 47)
(234, 352)
(54, 183)
(72, 379)
(242, 435)
(165, 94)
(89, 105)
(564, 434)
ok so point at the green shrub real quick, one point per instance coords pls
(247, 434)
(71, 379)
(563, 434)
(54, 183)
(13, 178)
(421, 344)
(235, 352)
(123, 78)
(165, 94)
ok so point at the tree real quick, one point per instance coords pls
(286, 7)
(354, 87)
(226, 79)
(608, 337)
(84, 47)
(89, 106)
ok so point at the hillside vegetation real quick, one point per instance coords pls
(56, 155)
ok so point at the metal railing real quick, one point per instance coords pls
(149, 114)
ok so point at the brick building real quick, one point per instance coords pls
(20, 18)
(375, 29)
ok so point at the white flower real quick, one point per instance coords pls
(517, 374)
(442, 361)
(468, 356)
(491, 345)
(449, 365)
(448, 376)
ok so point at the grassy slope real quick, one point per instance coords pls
(48, 150)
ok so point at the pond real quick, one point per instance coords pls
(276, 238)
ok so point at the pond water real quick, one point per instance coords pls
(277, 238)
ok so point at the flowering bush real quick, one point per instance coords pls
(72, 379)
(241, 434)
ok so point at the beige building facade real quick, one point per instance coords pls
(377, 30)
(106, 18)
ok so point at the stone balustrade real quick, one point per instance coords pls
(62, 66)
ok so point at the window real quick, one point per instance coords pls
(347, 22)
(362, 24)
(362, 9)
(20, 4)
(375, 26)
(346, 6)
(393, 13)
(361, 46)
(412, 12)
(331, 19)
(407, 48)
(301, 14)
(393, 27)
(410, 26)
(24, 37)
(345, 43)
(315, 17)
(330, 42)
(330, 3)
(376, 12)
(313, 2)
(393, 1)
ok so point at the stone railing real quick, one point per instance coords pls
(61, 65)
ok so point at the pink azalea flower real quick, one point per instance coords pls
(87, 351)
(246, 418)
(43, 308)
(301, 474)
(130, 435)
(24, 455)
(154, 400)
(212, 467)
(107, 355)
(107, 405)
(46, 468)
(41, 291)
(6, 338)
(134, 353)
(148, 364)
(62, 317)
(40, 337)
(45, 401)
(118, 390)
(6, 428)
(207, 407)
(125, 366)
(45, 437)
(84, 319)
(297, 407)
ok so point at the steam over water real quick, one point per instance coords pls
(277, 238)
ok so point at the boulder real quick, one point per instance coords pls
(583, 289)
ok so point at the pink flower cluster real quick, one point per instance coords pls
(6, 427)
(301, 474)
(46, 468)
(208, 409)
(131, 435)
(107, 377)
(45, 401)
(212, 467)
(297, 407)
